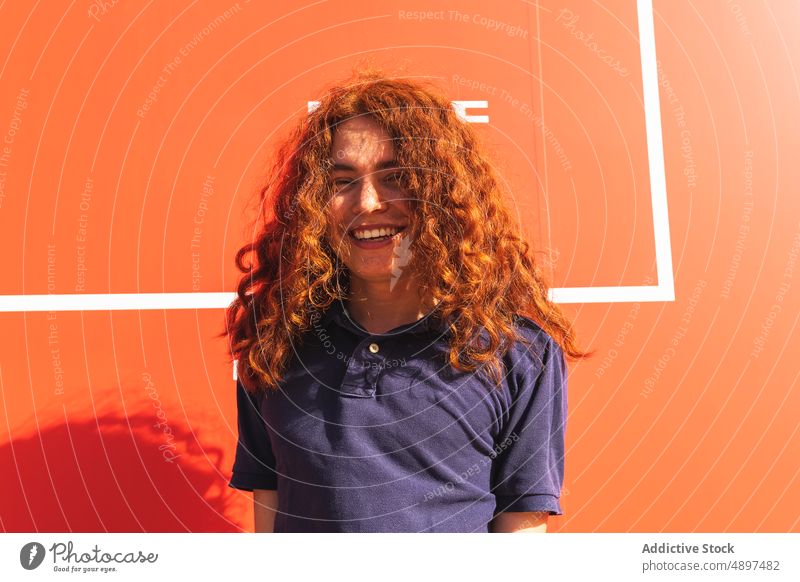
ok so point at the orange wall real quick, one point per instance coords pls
(685, 420)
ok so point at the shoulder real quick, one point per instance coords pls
(534, 340)
(534, 351)
(249, 398)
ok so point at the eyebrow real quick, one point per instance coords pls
(385, 164)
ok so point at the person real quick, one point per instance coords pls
(400, 367)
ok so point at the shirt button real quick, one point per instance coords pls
(374, 348)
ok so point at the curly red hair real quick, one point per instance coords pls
(470, 255)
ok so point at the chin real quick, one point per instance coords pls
(373, 275)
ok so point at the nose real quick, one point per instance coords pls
(368, 198)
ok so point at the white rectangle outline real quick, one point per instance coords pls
(663, 291)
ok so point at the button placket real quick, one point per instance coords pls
(363, 369)
(374, 362)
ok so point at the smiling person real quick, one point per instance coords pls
(400, 367)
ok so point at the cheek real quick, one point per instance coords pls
(335, 207)
(336, 214)
(334, 226)
(332, 236)
(404, 206)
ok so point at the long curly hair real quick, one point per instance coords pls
(470, 256)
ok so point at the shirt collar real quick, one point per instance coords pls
(338, 314)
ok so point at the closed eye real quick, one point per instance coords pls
(342, 183)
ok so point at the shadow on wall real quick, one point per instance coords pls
(115, 474)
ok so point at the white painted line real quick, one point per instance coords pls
(610, 294)
(145, 301)
(114, 301)
(460, 107)
(655, 149)
(664, 291)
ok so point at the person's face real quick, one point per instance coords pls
(369, 213)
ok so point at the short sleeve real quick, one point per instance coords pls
(528, 466)
(254, 465)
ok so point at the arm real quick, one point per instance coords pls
(528, 470)
(519, 522)
(265, 502)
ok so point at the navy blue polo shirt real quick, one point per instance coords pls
(378, 433)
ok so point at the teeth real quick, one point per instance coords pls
(375, 233)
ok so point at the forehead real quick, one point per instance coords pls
(361, 141)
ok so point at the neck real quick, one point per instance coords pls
(377, 308)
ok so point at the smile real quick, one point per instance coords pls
(381, 233)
